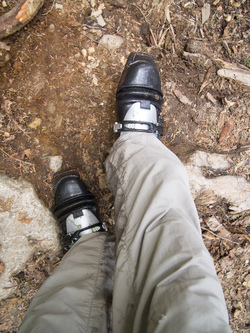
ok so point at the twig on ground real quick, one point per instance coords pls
(145, 18)
(147, 21)
(153, 36)
(20, 128)
(205, 82)
(163, 36)
(226, 239)
(52, 6)
(98, 43)
(16, 159)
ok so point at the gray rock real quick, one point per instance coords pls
(4, 46)
(111, 42)
(55, 162)
(101, 21)
(233, 189)
(5, 57)
(26, 227)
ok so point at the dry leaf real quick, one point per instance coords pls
(26, 221)
(226, 131)
(27, 152)
(2, 267)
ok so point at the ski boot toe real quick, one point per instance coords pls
(139, 98)
(75, 209)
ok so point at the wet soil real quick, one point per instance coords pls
(58, 98)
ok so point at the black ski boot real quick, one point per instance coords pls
(75, 209)
(139, 98)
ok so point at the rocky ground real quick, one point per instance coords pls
(58, 83)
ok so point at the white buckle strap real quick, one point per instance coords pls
(139, 119)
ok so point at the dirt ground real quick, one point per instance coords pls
(58, 98)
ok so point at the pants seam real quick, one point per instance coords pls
(94, 287)
(125, 227)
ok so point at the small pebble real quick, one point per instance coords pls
(91, 50)
(205, 11)
(35, 123)
(84, 52)
(101, 21)
(98, 33)
(5, 57)
(4, 46)
(168, 85)
(58, 6)
(95, 80)
(52, 27)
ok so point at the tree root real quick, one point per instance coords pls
(19, 16)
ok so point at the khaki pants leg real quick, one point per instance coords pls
(165, 279)
(77, 297)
